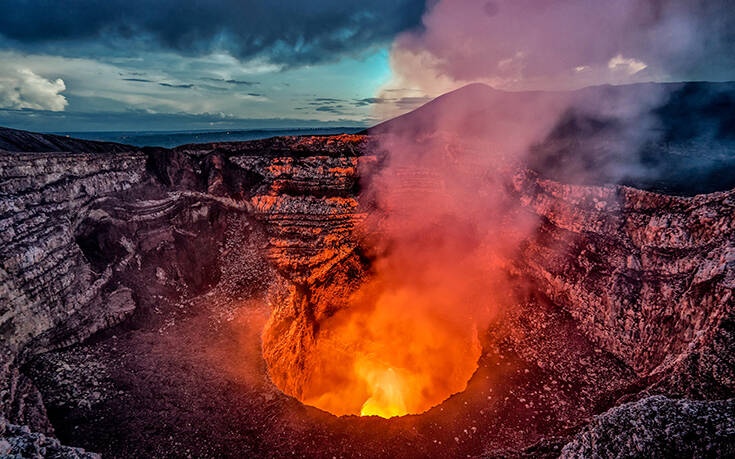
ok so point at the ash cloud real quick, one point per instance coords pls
(289, 33)
(440, 230)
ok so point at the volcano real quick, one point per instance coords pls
(432, 287)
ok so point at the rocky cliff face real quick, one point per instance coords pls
(632, 291)
(79, 233)
(646, 276)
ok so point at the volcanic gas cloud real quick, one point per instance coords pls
(439, 232)
(441, 229)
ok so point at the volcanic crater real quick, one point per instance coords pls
(229, 299)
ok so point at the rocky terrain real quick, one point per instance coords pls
(135, 285)
(659, 427)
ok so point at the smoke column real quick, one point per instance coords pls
(564, 44)
(445, 225)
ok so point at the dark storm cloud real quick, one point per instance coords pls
(291, 33)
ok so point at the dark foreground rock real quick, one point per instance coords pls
(659, 427)
(19, 442)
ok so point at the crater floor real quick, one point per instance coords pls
(189, 379)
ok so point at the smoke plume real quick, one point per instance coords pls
(565, 44)
(445, 225)
(445, 222)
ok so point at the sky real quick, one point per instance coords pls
(83, 65)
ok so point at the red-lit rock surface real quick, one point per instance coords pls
(175, 258)
(647, 277)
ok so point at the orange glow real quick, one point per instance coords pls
(387, 387)
(394, 351)
(393, 329)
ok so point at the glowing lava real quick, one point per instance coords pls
(392, 329)
(387, 356)
(387, 393)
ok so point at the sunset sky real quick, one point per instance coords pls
(193, 64)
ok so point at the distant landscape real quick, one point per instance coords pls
(169, 139)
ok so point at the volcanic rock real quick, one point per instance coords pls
(19, 441)
(122, 268)
(659, 427)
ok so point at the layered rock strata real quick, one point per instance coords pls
(91, 239)
(648, 277)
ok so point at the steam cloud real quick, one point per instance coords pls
(445, 220)
(445, 224)
(563, 44)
